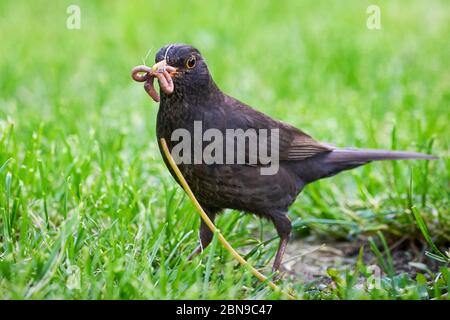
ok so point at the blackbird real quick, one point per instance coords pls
(188, 93)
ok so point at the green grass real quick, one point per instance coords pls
(87, 208)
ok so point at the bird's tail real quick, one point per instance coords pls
(331, 163)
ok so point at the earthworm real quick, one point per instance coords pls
(146, 74)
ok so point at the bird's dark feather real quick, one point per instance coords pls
(241, 186)
(294, 144)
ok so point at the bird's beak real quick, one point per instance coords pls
(162, 65)
(158, 66)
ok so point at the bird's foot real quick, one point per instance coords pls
(277, 275)
(195, 253)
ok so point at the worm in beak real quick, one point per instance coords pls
(161, 71)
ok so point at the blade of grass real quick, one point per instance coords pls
(209, 264)
(426, 234)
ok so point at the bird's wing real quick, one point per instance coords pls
(294, 144)
(297, 145)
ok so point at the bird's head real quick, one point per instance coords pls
(186, 67)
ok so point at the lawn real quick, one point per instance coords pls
(89, 211)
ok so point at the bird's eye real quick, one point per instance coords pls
(190, 63)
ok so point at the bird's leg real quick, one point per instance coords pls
(206, 236)
(283, 226)
(281, 249)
